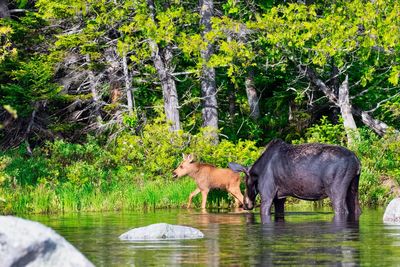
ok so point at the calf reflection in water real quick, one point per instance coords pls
(309, 172)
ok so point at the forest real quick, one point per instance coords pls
(100, 98)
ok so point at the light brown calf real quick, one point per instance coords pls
(208, 177)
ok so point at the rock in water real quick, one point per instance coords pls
(392, 212)
(161, 231)
(28, 243)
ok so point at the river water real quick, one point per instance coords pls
(307, 237)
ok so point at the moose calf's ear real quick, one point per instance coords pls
(237, 167)
(191, 158)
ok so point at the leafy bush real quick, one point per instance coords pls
(325, 132)
(244, 152)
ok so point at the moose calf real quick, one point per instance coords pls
(208, 177)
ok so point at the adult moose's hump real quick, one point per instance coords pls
(308, 171)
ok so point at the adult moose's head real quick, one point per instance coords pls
(250, 182)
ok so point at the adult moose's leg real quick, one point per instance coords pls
(265, 210)
(267, 191)
(204, 194)
(338, 198)
(352, 202)
(279, 205)
(339, 204)
(194, 193)
(339, 194)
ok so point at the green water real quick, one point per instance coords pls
(233, 239)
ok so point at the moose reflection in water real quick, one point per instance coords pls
(304, 238)
(309, 172)
(307, 243)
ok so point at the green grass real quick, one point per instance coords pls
(123, 196)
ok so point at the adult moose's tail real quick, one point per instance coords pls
(352, 202)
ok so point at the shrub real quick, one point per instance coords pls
(325, 132)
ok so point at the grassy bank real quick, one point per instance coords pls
(134, 172)
(122, 196)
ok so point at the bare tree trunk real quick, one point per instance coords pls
(128, 86)
(335, 84)
(168, 86)
(232, 100)
(377, 126)
(345, 110)
(208, 87)
(162, 59)
(95, 95)
(4, 11)
(252, 96)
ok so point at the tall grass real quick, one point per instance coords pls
(151, 195)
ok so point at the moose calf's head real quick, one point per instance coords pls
(250, 182)
(185, 167)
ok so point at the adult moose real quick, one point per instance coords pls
(308, 171)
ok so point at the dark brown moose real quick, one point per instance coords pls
(208, 177)
(307, 171)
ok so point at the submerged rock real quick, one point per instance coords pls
(392, 212)
(28, 243)
(161, 231)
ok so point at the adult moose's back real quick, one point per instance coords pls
(308, 171)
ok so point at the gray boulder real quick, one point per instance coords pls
(161, 231)
(28, 243)
(392, 212)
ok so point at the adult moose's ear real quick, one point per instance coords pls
(237, 167)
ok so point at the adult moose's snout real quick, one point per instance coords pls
(248, 204)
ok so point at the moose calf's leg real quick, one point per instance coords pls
(237, 195)
(194, 193)
(204, 199)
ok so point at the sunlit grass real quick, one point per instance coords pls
(124, 196)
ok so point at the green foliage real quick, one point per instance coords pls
(159, 151)
(32, 81)
(244, 152)
(325, 132)
(4, 162)
(6, 49)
